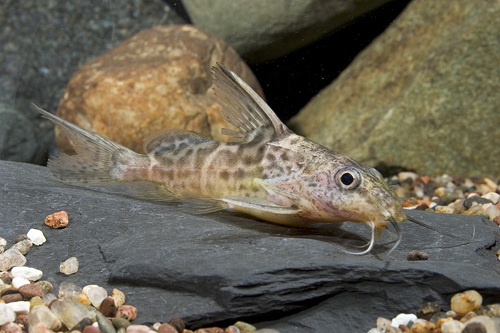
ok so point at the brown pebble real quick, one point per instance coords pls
(6, 277)
(404, 328)
(11, 328)
(166, 328)
(108, 307)
(178, 324)
(12, 298)
(474, 328)
(20, 238)
(91, 329)
(497, 220)
(22, 319)
(31, 290)
(128, 312)
(45, 285)
(210, 330)
(414, 255)
(8, 291)
(57, 220)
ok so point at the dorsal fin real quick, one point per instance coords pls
(245, 109)
(172, 139)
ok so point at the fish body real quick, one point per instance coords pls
(265, 170)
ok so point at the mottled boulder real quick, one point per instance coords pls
(424, 95)
(264, 30)
(159, 78)
(222, 267)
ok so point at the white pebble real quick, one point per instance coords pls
(29, 273)
(492, 211)
(97, 295)
(452, 326)
(7, 315)
(11, 258)
(487, 322)
(19, 281)
(70, 266)
(20, 308)
(36, 236)
(86, 289)
(403, 319)
(493, 197)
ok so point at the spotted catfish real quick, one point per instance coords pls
(264, 170)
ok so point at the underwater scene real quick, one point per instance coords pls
(250, 166)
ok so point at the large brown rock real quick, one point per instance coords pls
(424, 95)
(159, 78)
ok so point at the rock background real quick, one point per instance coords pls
(159, 78)
(261, 30)
(423, 95)
(217, 268)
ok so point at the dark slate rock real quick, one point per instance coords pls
(222, 267)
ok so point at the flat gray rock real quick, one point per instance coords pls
(217, 268)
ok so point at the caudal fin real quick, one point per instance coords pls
(98, 160)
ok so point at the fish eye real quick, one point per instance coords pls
(348, 178)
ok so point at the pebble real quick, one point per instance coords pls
(178, 323)
(232, 329)
(30, 290)
(245, 327)
(35, 301)
(82, 324)
(492, 212)
(91, 329)
(166, 328)
(137, 329)
(104, 325)
(428, 310)
(485, 321)
(23, 246)
(119, 297)
(42, 314)
(452, 326)
(209, 330)
(423, 326)
(70, 266)
(11, 328)
(15, 297)
(57, 220)
(20, 307)
(383, 322)
(45, 285)
(67, 289)
(11, 258)
(465, 302)
(70, 311)
(415, 255)
(108, 307)
(84, 299)
(36, 236)
(97, 295)
(128, 312)
(403, 319)
(19, 281)
(121, 323)
(28, 273)
(7, 315)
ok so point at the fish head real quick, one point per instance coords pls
(351, 191)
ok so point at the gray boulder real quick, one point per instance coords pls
(423, 95)
(264, 30)
(218, 268)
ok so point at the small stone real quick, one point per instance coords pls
(36, 236)
(245, 327)
(70, 266)
(19, 281)
(86, 289)
(415, 255)
(138, 329)
(178, 323)
(469, 202)
(474, 325)
(475, 209)
(491, 184)
(9, 298)
(20, 238)
(452, 326)
(20, 307)
(82, 324)
(45, 285)
(11, 328)
(68, 289)
(97, 295)
(467, 301)
(23, 246)
(497, 220)
(443, 209)
(423, 326)
(35, 301)
(11, 258)
(492, 196)
(166, 328)
(403, 319)
(407, 176)
(57, 220)
(70, 311)
(492, 212)
(428, 310)
(22, 319)
(492, 310)
(108, 307)
(91, 329)
(119, 297)
(38, 328)
(42, 314)
(7, 315)
(156, 326)
(383, 322)
(120, 323)
(28, 273)
(104, 325)
(6, 277)
(8, 291)
(84, 299)
(468, 316)
(128, 312)
(232, 329)
(30, 290)
(441, 321)
(209, 330)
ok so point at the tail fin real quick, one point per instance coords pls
(97, 160)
